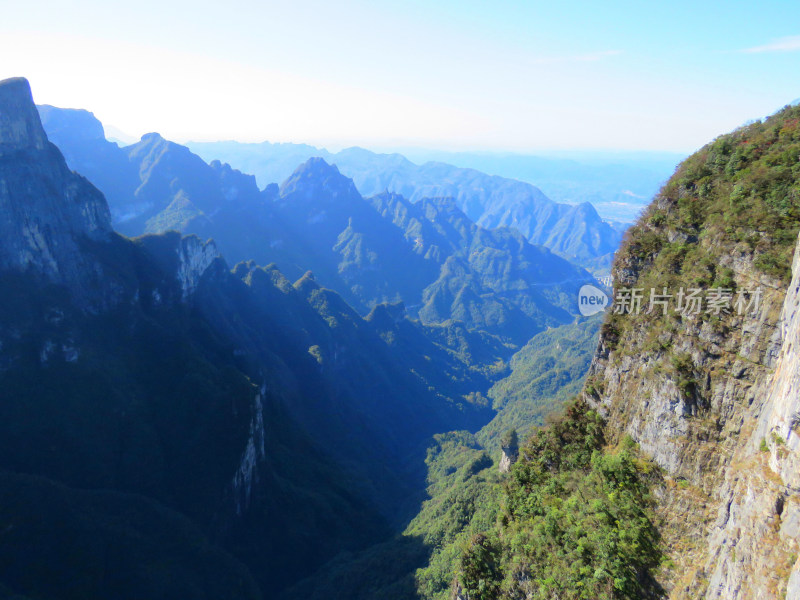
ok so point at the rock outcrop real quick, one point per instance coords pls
(194, 259)
(509, 446)
(20, 127)
(713, 397)
(753, 545)
(246, 475)
(508, 458)
(46, 211)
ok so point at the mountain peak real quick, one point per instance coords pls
(46, 207)
(153, 138)
(20, 127)
(317, 178)
(71, 123)
(586, 211)
(319, 166)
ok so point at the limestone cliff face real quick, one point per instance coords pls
(692, 431)
(246, 476)
(20, 127)
(509, 447)
(194, 259)
(506, 460)
(46, 211)
(781, 414)
(713, 397)
(753, 545)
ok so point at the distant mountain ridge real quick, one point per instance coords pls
(490, 201)
(493, 280)
(618, 184)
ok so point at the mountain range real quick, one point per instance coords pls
(618, 184)
(490, 201)
(427, 254)
(575, 232)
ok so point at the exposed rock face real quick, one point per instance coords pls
(20, 127)
(715, 403)
(509, 457)
(254, 453)
(45, 209)
(781, 415)
(509, 445)
(641, 398)
(753, 545)
(194, 259)
(714, 398)
(718, 505)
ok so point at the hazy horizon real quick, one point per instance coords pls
(466, 76)
(578, 154)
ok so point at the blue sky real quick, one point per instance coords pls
(467, 75)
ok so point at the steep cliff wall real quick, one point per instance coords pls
(712, 395)
(753, 545)
(45, 209)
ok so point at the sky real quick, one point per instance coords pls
(519, 76)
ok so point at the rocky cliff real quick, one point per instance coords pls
(753, 544)
(710, 391)
(20, 128)
(46, 211)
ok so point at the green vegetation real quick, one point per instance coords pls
(480, 571)
(464, 501)
(684, 377)
(743, 187)
(510, 439)
(463, 492)
(577, 521)
(545, 373)
(572, 520)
